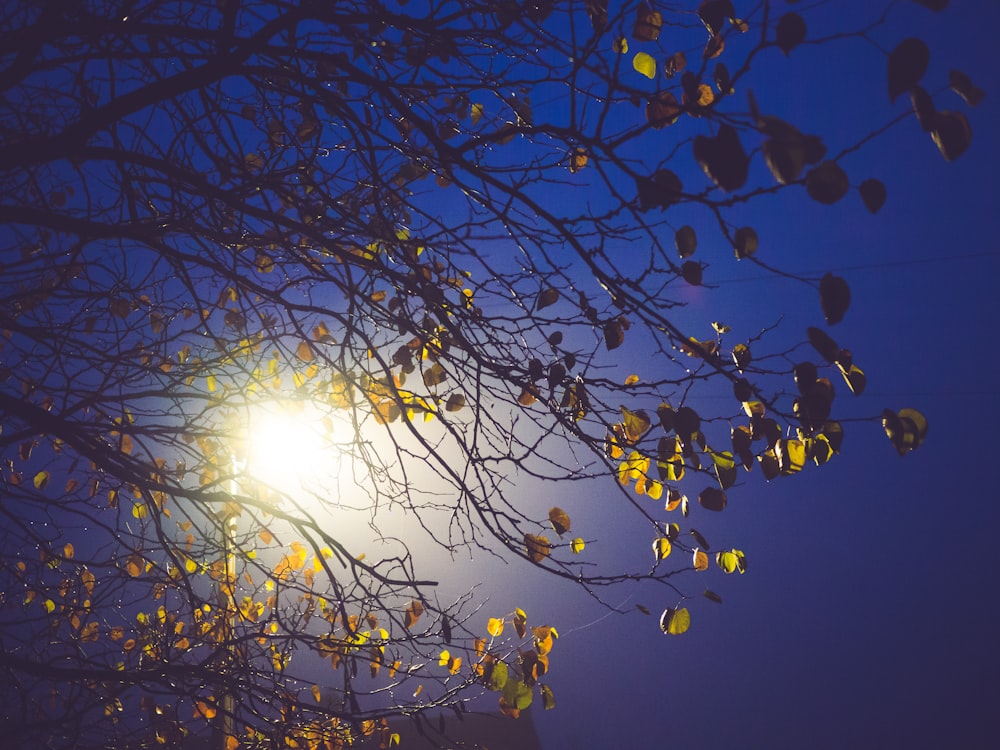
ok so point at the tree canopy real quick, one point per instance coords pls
(453, 242)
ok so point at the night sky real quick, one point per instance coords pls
(866, 618)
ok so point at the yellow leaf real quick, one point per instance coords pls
(139, 510)
(190, 565)
(494, 627)
(577, 545)
(705, 95)
(232, 743)
(41, 479)
(50, 606)
(305, 352)
(393, 739)
(675, 621)
(68, 550)
(632, 379)
(661, 548)
(645, 64)
(634, 424)
(638, 466)
(444, 658)
(476, 112)
(204, 709)
(620, 45)
(674, 499)
(315, 692)
(210, 383)
(264, 263)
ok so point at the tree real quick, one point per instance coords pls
(439, 233)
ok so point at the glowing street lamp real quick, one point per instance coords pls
(285, 443)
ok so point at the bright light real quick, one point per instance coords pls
(291, 446)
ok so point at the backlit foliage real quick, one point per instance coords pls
(437, 234)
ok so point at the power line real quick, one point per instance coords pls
(867, 267)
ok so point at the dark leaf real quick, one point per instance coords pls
(712, 498)
(923, 108)
(834, 297)
(742, 445)
(805, 374)
(854, 376)
(742, 357)
(713, 13)
(686, 423)
(648, 23)
(906, 429)
(702, 542)
(791, 32)
(536, 371)
(907, 65)
(666, 415)
(661, 190)
(435, 375)
(686, 241)
(613, 335)
(546, 297)
(691, 272)
(872, 194)
(597, 10)
(743, 390)
(446, 628)
(834, 433)
(823, 344)
(662, 110)
(951, 133)
(557, 373)
(827, 183)
(745, 242)
(726, 476)
(675, 64)
(714, 47)
(712, 596)
(722, 80)
(723, 158)
(962, 85)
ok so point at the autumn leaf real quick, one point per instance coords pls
(559, 520)
(538, 547)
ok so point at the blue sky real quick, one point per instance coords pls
(866, 617)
